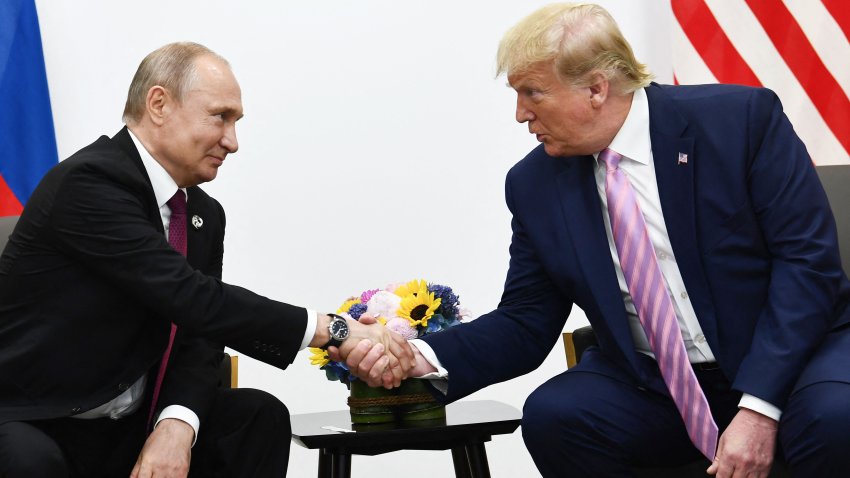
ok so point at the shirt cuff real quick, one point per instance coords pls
(760, 406)
(183, 414)
(440, 378)
(312, 322)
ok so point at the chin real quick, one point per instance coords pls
(554, 151)
(562, 150)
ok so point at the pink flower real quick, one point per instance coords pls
(402, 327)
(365, 296)
(383, 304)
(393, 286)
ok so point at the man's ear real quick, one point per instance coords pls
(598, 88)
(157, 104)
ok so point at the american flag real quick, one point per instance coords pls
(797, 48)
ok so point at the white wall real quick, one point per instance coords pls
(373, 150)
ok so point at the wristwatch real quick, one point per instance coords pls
(338, 329)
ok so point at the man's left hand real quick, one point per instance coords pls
(167, 452)
(746, 447)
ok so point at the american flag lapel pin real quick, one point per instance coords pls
(683, 158)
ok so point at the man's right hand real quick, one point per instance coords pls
(374, 353)
(368, 362)
(167, 452)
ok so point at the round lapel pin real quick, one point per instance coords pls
(197, 222)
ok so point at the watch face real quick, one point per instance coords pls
(339, 329)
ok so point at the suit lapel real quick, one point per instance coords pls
(581, 209)
(194, 228)
(675, 163)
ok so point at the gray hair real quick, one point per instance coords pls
(171, 67)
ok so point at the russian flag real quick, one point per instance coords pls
(27, 140)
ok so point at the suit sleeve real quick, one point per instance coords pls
(798, 229)
(99, 219)
(515, 338)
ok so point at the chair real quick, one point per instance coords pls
(229, 370)
(834, 179)
(7, 225)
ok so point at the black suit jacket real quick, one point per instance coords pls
(89, 286)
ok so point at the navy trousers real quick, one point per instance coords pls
(247, 435)
(588, 424)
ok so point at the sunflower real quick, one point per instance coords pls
(347, 304)
(319, 357)
(411, 287)
(419, 305)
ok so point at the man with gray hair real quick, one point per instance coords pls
(113, 315)
(689, 225)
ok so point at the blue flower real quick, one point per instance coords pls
(337, 371)
(357, 310)
(449, 300)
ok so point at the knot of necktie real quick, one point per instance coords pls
(611, 158)
(177, 203)
(177, 225)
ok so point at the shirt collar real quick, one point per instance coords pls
(162, 183)
(632, 141)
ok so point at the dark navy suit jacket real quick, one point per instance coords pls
(750, 227)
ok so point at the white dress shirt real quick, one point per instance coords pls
(634, 144)
(128, 402)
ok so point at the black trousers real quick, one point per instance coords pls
(246, 435)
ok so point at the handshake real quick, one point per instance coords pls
(374, 353)
(380, 322)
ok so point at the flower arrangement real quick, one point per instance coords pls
(412, 310)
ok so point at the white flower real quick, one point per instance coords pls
(383, 304)
(402, 327)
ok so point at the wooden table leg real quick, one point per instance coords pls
(461, 462)
(477, 455)
(341, 465)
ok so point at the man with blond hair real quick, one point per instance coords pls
(689, 225)
(113, 315)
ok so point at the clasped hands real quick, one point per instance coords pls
(377, 355)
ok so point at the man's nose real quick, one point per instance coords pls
(229, 141)
(523, 114)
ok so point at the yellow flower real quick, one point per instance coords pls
(346, 306)
(319, 357)
(419, 305)
(411, 287)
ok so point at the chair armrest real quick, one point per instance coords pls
(576, 342)
(228, 373)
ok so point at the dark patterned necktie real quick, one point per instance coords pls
(177, 240)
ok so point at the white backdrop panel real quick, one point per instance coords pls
(373, 150)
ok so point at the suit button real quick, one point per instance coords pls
(123, 386)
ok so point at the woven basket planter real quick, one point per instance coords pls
(410, 402)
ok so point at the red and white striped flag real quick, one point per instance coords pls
(797, 48)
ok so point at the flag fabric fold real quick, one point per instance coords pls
(27, 138)
(798, 48)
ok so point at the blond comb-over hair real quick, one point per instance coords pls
(581, 39)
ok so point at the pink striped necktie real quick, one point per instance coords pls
(654, 306)
(177, 240)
